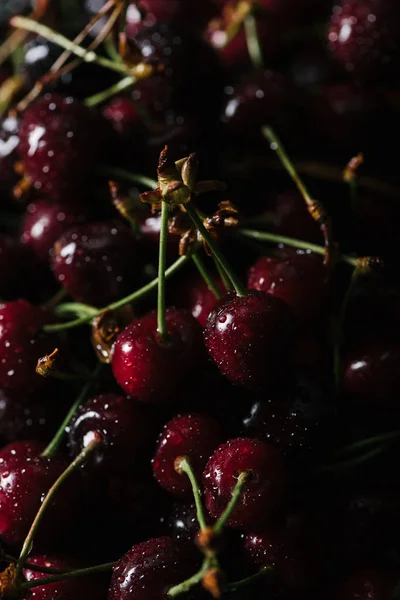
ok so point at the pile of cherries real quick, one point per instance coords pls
(199, 320)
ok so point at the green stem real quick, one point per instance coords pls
(253, 42)
(53, 36)
(75, 308)
(354, 462)
(238, 585)
(65, 576)
(264, 236)
(222, 274)
(162, 262)
(202, 269)
(185, 466)
(76, 463)
(176, 266)
(191, 211)
(186, 585)
(136, 178)
(371, 441)
(31, 567)
(118, 87)
(52, 447)
(236, 494)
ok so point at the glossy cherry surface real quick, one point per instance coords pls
(149, 569)
(123, 114)
(248, 337)
(197, 297)
(262, 493)
(152, 370)
(126, 431)
(96, 263)
(193, 436)
(9, 140)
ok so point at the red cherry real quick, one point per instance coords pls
(248, 338)
(262, 493)
(194, 294)
(124, 116)
(9, 140)
(96, 263)
(290, 217)
(151, 370)
(16, 452)
(22, 343)
(149, 569)
(371, 584)
(297, 277)
(363, 35)
(191, 435)
(125, 429)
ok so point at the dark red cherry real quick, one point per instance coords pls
(152, 370)
(123, 114)
(369, 584)
(370, 375)
(9, 140)
(149, 226)
(262, 493)
(126, 431)
(363, 35)
(192, 435)
(24, 481)
(96, 263)
(297, 277)
(16, 452)
(15, 265)
(22, 343)
(196, 296)
(290, 217)
(93, 587)
(248, 338)
(149, 569)
(58, 137)
(46, 220)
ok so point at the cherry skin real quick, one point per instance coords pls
(46, 220)
(123, 115)
(290, 217)
(96, 263)
(58, 136)
(22, 343)
(149, 569)
(9, 140)
(297, 277)
(248, 337)
(16, 452)
(197, 297)
(126, 431)
(371, 584)
(193, 436)
(152, 370)
(24, 480)
(363, 35)
(262, 493)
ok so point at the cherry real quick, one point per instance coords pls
(124, 116)
(297, 277)
(363, 35)
(24, 481)
(126, 431)
(58, 136)
(15, 264)
(9, 140)
(370, 376)
(369, 584)
(262, 493)
(191, 435)
(79, 589)
(16, 452)
(290, 217)
(149, 226)
(151, 370)
(149, 569)
(197, 297)
(22, 343)
(45, 221)
(248, 337)
(96, 263)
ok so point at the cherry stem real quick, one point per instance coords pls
(76, 308)
(222, 274)
(371, 441)
(236, 494)
(238, 585)
(31, 567)
(65, 576)
(186, 585)
(354, 462)
(176, 266)
(52, 447)
(162, 262)
(202, 269)
(89, 56)
(8, 90)
(128, 176)
(265, 236)
(198, 223)
(56, 299)
(184, 465)
(118, 87)
(76, 463)
(253, 42)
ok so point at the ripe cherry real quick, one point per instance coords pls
(196, 296)
(290, 217)
(123, 115)
(125, 429)
(9, 140)
(262, 493)
(149, 569)
(96, 263)
(193, 436)
(152, 370)
(248, 338)
(297, 277)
